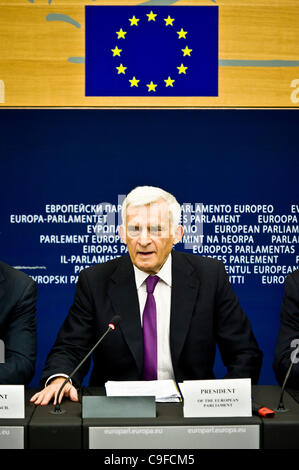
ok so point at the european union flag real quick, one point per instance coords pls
(151, 51)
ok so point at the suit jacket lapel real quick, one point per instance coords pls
(124, 298)
(183, 296)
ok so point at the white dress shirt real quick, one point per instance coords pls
(162, 295)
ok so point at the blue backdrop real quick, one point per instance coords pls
(52, 158)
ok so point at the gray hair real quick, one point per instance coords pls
(144, 195)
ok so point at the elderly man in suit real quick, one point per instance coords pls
(18, 294)
(193, 302)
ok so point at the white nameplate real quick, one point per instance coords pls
(217, 398)
(12, 402)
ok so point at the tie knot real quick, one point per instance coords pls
(151, 282)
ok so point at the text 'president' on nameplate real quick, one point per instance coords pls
(217, 398)
(12, 402)
(151, 51)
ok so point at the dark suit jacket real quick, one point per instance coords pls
(204, 311)
(18, 294)
(289, 330)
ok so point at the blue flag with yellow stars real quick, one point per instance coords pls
(151, 51)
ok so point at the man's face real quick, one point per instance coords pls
(148, 235)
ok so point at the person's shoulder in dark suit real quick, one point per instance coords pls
(210, 271)
(18, 296)
(199, 263)
(99, 276)
(106, 269)
(232, 328)
(288, 335)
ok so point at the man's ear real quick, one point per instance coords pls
(122, 233)
(178, 234)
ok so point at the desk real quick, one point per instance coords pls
(170, 430)
(14, 432)
(52, 431)
(44, 430)
(282, 431)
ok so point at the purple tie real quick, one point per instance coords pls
(150, 331)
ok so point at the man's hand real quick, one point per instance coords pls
(45, 396)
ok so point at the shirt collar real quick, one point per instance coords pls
(164, 273)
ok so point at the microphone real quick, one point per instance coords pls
(281, 406)
(294, 360)
(111, 327)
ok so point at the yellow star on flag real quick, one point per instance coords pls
(121, 69)
(182, 69)
(134, 82)
(151, 86)
(121, 34)
(169, 82)
(169, 21)
(134, 21)
(182, 33)
(187, 51)
(116, 51)
(151, 16)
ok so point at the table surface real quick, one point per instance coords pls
(66, 430)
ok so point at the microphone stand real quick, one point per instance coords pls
(57, 409)
(281, 407)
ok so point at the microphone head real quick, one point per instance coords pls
(114, 322)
